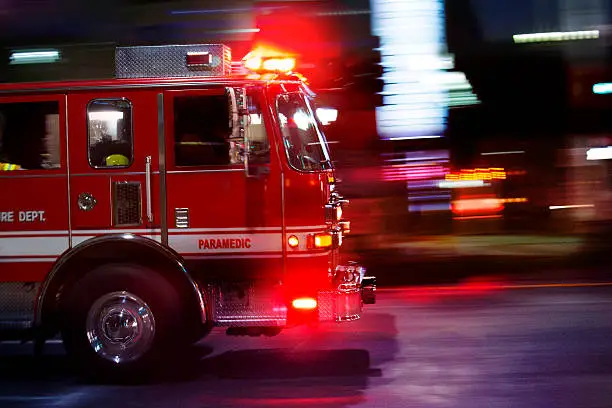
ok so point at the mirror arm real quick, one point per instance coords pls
(245, 156)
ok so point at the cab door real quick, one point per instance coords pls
(33, 200)
(113, 153)
(224, 223)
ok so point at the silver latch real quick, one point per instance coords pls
(181, 217)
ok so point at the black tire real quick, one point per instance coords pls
(101, 290)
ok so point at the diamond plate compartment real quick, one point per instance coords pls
(167, 61)
(17, 304)
(326, 305)
(262, 308)
(339, 305)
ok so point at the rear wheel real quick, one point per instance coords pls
(119, 319)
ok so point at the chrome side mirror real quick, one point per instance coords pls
(238, 114)
(244, 146)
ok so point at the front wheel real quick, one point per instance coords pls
(118, 320)
(120, 327)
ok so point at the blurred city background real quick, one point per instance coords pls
(468, 134)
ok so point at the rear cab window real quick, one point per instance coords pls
(30, 135)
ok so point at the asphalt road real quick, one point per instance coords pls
(474, 345)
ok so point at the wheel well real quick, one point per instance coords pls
(104, 250)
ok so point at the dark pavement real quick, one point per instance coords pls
(474, 344)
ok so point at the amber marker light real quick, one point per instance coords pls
(323, 240)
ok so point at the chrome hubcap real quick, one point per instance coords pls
(120, 327)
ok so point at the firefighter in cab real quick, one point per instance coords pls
(5, 164)
(9, 166)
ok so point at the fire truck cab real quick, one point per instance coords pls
(137, 213)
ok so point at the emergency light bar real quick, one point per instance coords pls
(173, 61)
(269, 61)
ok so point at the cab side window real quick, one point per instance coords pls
(201, 131)
(29, 136)
(109, 132)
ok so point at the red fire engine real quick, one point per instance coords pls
(142, 211)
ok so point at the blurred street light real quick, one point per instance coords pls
(556, 36)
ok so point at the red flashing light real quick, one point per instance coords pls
(279, 64)
(253, 63)
(304, 303)
(268, 60)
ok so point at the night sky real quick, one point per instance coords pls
(499, 19)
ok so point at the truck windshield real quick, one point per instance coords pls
(304, 143)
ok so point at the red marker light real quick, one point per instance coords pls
(199, 59)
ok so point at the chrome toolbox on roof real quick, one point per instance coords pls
(172, 61)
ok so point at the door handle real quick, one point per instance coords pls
(148, 188)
